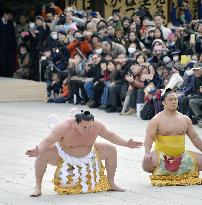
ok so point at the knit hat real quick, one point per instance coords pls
(126, 18)
(157, 40)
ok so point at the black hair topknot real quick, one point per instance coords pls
(84, 115)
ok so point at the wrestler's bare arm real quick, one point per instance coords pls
(193, 136)
(51, 139)
(151, 133)
(111, 136)
(116, 139)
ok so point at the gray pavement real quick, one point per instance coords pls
(23, 125)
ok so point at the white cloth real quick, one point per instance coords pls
(89, 162)
(175, 81)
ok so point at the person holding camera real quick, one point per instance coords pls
(60, 55)
(51, 6)
(79, 46)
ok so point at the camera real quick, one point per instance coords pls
(80, 38)
(140, 12)
(62, 19)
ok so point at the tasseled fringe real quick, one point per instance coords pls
(182, 180)
(102, 185)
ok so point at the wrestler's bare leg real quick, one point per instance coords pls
(151, 166)
(108, 153)
(50, 156)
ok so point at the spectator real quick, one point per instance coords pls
(184, 14)
(22, 30)
(79, 46)
(24, 62)
(7, 45)
(63, 94)
(126, 21)
(114, 49)
(76, 76)
(51, 6)
(198, 45)
(196, 107)
(158, 22)
(95, 73)
(53, 88)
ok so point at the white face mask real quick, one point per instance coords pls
(54, 36)
(98, 51)
(175, 58)
(131, 50)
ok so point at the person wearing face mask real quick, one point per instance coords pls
(24, 62)
(131, 50)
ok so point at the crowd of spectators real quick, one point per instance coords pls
(118, 64)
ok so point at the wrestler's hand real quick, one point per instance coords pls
(148, 159)
(134, 144)
(33, 152)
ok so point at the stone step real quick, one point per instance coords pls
(19, 90)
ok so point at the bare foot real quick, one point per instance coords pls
(114, 187)
(36, 193)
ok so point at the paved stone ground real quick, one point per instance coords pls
(23, 125)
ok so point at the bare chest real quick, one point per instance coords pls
(75, 139)
(172, 127)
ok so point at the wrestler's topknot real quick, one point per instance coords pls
(84, 115)
(167, 91)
